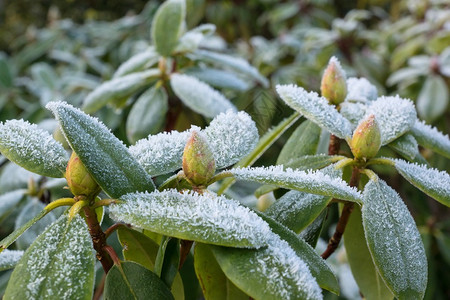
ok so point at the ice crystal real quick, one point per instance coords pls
(433, 182)
(394, 240)
(314, 182)
(394, 115)
(316, 109)
(432, 138)
(199, 96)
(206, 218)
(58, 265)
(361, 90)
(230, 136)
(32, 148)
(9, 258)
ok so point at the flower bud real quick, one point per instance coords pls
(366, 139)
(334, 82)
(79, 180)
(198, 160)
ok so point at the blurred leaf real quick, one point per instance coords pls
(138, 62)
(6, 76)
(406, 50)
(219, 78)
(433, 99)
(429, 137)
(9, 259)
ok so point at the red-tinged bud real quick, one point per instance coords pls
(334, 82)
(366, 139)
(199, 165)
(78, 178)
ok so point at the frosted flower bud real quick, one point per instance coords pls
(198, 160)
(366, 140)
(334, 82)
(79, 180)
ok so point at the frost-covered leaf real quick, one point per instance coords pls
(433, 99)
(354, 112)
(206, 218)
(192, 39)
(432, 182)
(296, 210)
(148, 114)
(314, 182)
(394, 241)
(315, 108)
(58, 265)
(167, 26)
(273, 272)
(312, 162)
(130, 280)
(9, 258)
(138, 62)
(363, 269)
(117, 89)
(431, 138)
(317, 266)
(395, 116)
(309, 135)
(219, 78)
(407, 146)
(199, 96)
(32, 148)
(33, 208)
(230, 136)
(361, 90)
(105, 157)
(238, 64)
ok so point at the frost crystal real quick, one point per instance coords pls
(394, 115)
(32, 148)
(430, 137)
(431, 181)
(9, 258)
(199, 96)
(316, 109)
(394, 241)
(230, 136)
(361, 90)
(58, 265)
(314, 182)
(204, 218)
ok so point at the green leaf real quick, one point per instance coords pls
(314, 182)
(6, 76)
(199, 96)
(170, 251)
(219, 78)
(133, 281)
(9, 259)
(308, 133)
(432, 182)
(430, 137)
(312, 233)
(274, 272)
(433, 99)
(312, 162)
(167, 26)
(59, 264)
(394, 241)
(117, 89)
(316, 109)
(395, 116)
(364, 271)
(318, 267)
(296, 210)
(32, 148)
(238, 64)
(105, 157)
(215, 285)
(407, 146)
(406, 50)
(148, 114)
(139, 248)
(138, 62)
(206, 218)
